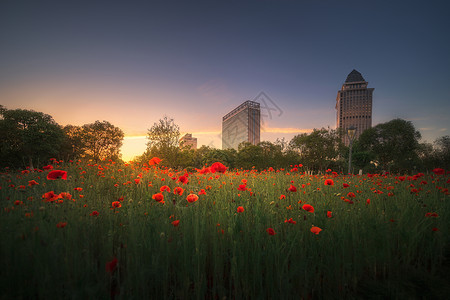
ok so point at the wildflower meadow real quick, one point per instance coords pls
(114, 230)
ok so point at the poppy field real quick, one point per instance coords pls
(113, 230)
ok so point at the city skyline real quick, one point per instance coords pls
(131, 64)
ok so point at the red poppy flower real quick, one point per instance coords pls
(242, 187)
(192, 198)
(78, 189)
(204, 171)
(439, 171)
(61, 224)
(329, 182)
(165, 188)
(32, 182)
(435, 215)
(65, 195)
(111, 265)
(94, 213)
(50, 196)
(218, 167)
(116, 204)
(345, 185)
(270, 231)
(308, 207)
(351, 195)
(329, 214)
(175, 223)
(282, 197)
(290, 221)
(240, 209)
(49, 167)
(183, 179)
(292, 188)
(154, 161)
(202, 192)
(137, 180)
(158, 197)
(315, 229)
(178, 191)
(55, 174)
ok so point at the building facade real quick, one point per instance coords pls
(188, 140)
(242, 124)
(354, 105)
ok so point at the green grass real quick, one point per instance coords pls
(385, 249)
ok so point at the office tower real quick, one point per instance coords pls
(354, 105)
(188, 140)
(242, 124)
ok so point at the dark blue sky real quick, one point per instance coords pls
(131, 62)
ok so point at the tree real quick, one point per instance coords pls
(319, 149)
(99, 140)
(199, 158)
(362, 159)
(394, 144)
(249, 156)
(225, 156)
(442, 152)
(28, 137)
(73, 146)
(163, 141)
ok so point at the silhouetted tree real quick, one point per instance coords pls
(393, 144)
(163, 142)
(28, 137)
(99, 140)
(73, 146)
(319, 149)
(442, 152)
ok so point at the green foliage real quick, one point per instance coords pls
(28, 138)
(163, 142)
(319, 149)
(96, 141)
(101, 140)
(393, 144)
(442, 152)
(73, 145)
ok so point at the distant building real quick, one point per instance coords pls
(188, 140)
(354, 105)
(242, 124)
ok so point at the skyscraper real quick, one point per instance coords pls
(241, 124)
(354, 105)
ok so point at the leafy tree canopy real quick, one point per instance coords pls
(98, 140)
(318, 149)
(394, 144)
(28, 137)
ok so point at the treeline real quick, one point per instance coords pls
(388, 147)
(30, 138)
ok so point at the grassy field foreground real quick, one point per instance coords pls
(129, 231)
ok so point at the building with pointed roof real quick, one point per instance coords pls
(354, 105)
